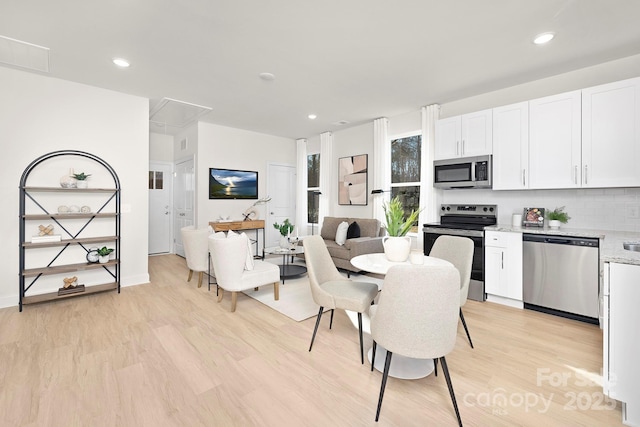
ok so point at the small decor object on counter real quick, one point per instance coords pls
(397, 245)
(81, 179)
(557, 217)
(45, 231)
(104, 253)
(85, 209)
(74, 209)
(93, 256)
(533, 217)
(68, 180)
(45, 234)
(63, 209)
(70, 286)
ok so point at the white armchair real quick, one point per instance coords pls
(231, 256)
(196, 250)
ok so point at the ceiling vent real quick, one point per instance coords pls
(176, 113)
(24, 55)
(341, 123)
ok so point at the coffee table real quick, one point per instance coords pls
(287, 269)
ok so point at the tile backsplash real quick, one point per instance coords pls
(597, 208)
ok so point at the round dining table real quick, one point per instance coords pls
(401, 366)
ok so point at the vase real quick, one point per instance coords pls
(68, 181)
(554, 223)
(82, 184)
(396, 249)
(103, 259)
(284, 242)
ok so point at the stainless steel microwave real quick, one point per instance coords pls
(463, 172)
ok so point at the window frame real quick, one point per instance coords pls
(392, 185)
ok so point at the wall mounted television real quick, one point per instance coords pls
(232, 184)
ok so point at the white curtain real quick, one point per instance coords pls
(429, 202)
(326, 170)
(301, 187)
(381, 166)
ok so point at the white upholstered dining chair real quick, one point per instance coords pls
(196, 250)
(417, 316)
(459, 252)
(331, 290)
(236, 270)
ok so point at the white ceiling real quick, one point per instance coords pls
(344, 60)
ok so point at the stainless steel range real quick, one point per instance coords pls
(468, 221)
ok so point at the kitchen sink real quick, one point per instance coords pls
(632, 246)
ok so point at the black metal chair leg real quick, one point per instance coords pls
(313, 337)
(465, 327)
(445, 369)
(331, 321)
(435, 366)
(373, 355)
(385, 374)
(360, 333)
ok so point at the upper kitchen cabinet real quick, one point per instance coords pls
(511, 147)
(611, 135)
(464, 136)
(554, 141)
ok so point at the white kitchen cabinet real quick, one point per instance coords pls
(611, 135)
(621, 346)
(464, 136)
(511, 147)
(555, 141)
(503, 267)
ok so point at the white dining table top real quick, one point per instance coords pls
(378, 263)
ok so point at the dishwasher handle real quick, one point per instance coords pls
(574, 241)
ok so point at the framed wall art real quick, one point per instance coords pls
(533, 217)
(353, 180)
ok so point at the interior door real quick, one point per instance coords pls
(183, 200)
(281, 186)
(160, 207)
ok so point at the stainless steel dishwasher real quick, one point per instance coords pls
(560, 275)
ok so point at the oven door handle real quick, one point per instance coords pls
(454, 232)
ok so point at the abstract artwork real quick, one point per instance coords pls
(352, 180)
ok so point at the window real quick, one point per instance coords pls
(156, 180)
(313, 184)
(406, 153)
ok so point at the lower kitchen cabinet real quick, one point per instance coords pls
(503, 267)
(621, 346)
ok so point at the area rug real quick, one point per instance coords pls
(295, 300)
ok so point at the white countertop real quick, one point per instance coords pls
(611, 241)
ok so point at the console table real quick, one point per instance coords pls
(256, 224)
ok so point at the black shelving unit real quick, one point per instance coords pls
(110, 210)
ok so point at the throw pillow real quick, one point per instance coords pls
(341, 234)
(353, 231)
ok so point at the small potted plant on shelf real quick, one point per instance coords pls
(104, 253)
(557, 216)
(397, 245)
(81, 179)
(285, 230)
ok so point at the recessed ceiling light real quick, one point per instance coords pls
(121, 62)
(312, 116)
(267, 77)
(543, 38)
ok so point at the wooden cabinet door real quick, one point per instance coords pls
(476, 134)
(447, 138)
(555, 141)
(611, 135)
(511, 147)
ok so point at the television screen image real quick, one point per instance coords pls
(232, 184)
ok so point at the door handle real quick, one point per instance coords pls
(575, 175)
(462, 148)
(502, 260)
(524, 182)
(585, 173)
(166, 213)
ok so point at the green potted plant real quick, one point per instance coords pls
(557, 216)
(397, 245)
(103, 254)
(81, 179)
(285, 230)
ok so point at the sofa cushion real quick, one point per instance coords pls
(353, 231)
(330, 227)
(337, 251)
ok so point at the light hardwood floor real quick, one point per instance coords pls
(167, 354)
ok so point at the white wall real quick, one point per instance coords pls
(160, 147)
(39, 114)
(230, 148)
